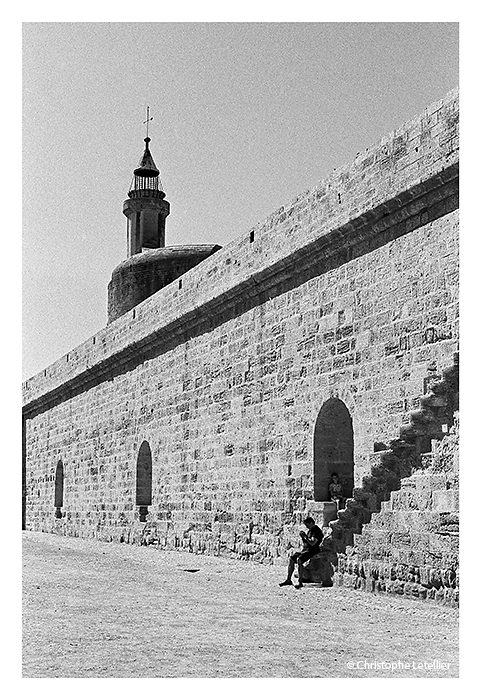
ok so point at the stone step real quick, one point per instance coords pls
(439, 387)
(409, 432)
(405, 521)
(451, 374)
(382, 457)
(423, 416)
(342, 538)
(433, 401)
(359, 511)
(423, 431)
(365, 498)
(341, 526)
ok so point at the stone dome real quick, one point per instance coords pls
(143, 274)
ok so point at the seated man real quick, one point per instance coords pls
(311, 545)
(336, 491)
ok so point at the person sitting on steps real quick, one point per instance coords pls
(335, 491)
(311, 546)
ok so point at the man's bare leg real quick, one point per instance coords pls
(300, 569)
(290, 571)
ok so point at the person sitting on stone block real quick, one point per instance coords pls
(311, 546)
(335, 490)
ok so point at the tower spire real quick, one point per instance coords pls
(149, 119)
(146, 208)
(146, 176)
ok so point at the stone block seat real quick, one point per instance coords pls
(319, 570)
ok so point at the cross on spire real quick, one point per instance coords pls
(149, 119)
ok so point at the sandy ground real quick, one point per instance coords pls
(93, 609)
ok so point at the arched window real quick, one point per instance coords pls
(143, 486)
(333, 449)
(58, 498)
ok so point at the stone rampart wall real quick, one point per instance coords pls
(351, 291)
(229, 415)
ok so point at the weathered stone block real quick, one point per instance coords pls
(319, 569)
(323, 512)
(445, 501)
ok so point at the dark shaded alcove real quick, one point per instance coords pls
(143, 486)
(333, 449)
(58, 498)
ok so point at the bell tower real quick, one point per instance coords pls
(146, 208)
(150, 265)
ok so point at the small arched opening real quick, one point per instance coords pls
(143, 487)
(58, 498)
(333, 449)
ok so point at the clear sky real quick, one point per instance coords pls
(246, 116)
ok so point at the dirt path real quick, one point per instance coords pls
(93, 609)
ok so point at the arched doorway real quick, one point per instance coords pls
(58, 498)
(333, 449)
(143, 486)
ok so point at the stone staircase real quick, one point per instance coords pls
(399, 532)
(411, 546)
